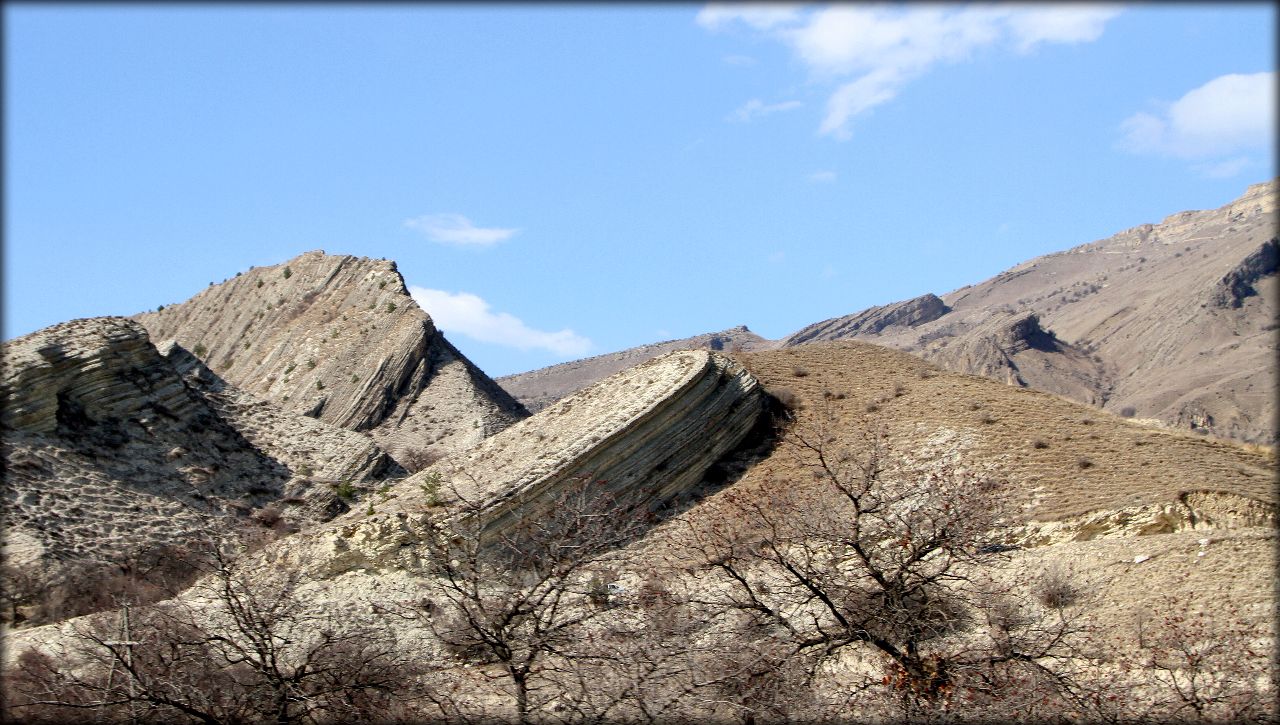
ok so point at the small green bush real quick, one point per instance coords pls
(199, 350)
(288, 273)
(345, 490)
(391, 307)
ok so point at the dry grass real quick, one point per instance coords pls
(1039, 441)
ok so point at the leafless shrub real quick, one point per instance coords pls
(1039, 444)
(416, 460)
(1056, 589)
(1084, 463)
(787, 398)
(799, 372)
(1128, 411)
(257, 654)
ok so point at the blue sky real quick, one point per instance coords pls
(564, 180)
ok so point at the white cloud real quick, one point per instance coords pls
(470, 315)
(1227, 115)
(860, 96)
(825, 176)
(457, 229)
(1060, 24)
(871, 52)
(756, 108)
(761, 16)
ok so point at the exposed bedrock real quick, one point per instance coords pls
(339, 339)
(1237, 284)
(113, 450)
(647, 435)
(873, 321)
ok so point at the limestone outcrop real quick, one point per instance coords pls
(111, 453)
(537, 389)
(873, 321)
(649, 433)
(1016, 349)
(339, 339)
(1239, 283)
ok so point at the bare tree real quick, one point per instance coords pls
(234, 649)
(520, 600)
(875, 554)
(1193, 662)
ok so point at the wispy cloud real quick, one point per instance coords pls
(825, 176)
(761, 16)
(870, 53)
(471, 315)
(1228, 115)
(756, 108)
(742, 61)
(457, 229)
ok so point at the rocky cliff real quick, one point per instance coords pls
(893, 317)
(539, 388)
(339, 339)
(109, 453)
(655, 433)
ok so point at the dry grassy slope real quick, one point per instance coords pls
(1155, 304)
(537, 389)
(1129, 463)
(338, 338)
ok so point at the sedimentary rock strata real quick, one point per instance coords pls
(648, 434)
(873, 321)
(112, 450)
(339, 339)
(539, 388)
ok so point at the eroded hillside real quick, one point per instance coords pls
(339, 339)
(1173, 321)
(111, 454)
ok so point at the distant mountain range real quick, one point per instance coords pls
(1173, 321)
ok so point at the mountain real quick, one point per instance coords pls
(338, 338)
(1174, 322)
(1139, 523)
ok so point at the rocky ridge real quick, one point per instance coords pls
(898, 315)
(655, 432)
(109, 452)
(1174, 322)
(537, 389)
(339, 339)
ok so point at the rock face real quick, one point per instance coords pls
(1017, 350)
(339, 339)
(109, 453)
(653, 432)
(1238, 283)
(321, 456)
(873, 321)
(539, 388)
